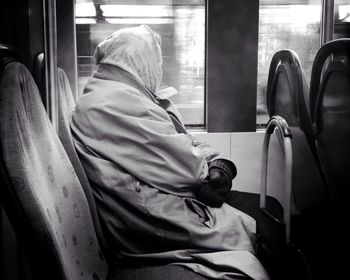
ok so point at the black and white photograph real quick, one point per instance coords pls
(174, 139)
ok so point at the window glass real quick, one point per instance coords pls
(181, 25)
(286, 25)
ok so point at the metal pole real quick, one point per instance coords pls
(288, 163)
(327, 21)
(50, 49)
(282, 126)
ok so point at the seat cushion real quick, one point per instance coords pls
(249, 203)
(44, 183)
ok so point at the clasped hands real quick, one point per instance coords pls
(215, 189)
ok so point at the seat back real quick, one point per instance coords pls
(66, 105)
(7, 55)
(288, 91)
(330, 108)
(287, 97)
(45, 199)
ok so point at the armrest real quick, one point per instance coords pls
(281, 127)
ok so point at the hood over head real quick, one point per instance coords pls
(136, 50)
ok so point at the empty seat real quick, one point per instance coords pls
(316, 229)
(44, 198)
(330, 108)
(310, 203)
(288, 92)
(287, 96)
(330, 112)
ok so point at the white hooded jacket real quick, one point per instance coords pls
(145, 173)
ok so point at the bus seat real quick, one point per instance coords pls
(8, 241)
(330, 115)
(43, 197)
(8, 54)
(66, 105)
(330, 108)
(287, 97)
(307, 199)
(288, 92)
(313, 220)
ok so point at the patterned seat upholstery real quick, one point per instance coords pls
(66, 105)
(44, 197)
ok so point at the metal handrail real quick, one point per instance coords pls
(277, 122)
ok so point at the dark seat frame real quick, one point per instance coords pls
(287, 61)
(334, 56)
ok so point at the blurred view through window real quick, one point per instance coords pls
(293, 24)
(283, 24)
(181, 25)
(288, 24)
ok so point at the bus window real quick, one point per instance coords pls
(285, 24)
(181, 25)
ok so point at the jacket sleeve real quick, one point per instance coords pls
(139, 137)
(209, 153)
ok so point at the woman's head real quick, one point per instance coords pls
(136, 50)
